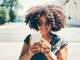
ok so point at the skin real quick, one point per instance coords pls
(45, 31)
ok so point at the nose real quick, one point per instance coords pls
(44, 26)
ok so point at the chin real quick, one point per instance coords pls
(44, 33)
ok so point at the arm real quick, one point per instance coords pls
(62, 55)
(27, 50)
(52, 56)
(24, 53)
(47, 51)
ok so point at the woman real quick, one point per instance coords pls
(45, 19)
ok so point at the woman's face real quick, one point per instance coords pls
(44, 25)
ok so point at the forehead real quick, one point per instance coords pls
(44, 19)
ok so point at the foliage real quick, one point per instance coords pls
(8, 10)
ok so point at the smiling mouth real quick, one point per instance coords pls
(44, 30)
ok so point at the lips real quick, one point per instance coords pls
(43, 30)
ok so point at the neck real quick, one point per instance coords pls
(47, 36)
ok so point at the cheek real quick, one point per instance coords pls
(49, 29)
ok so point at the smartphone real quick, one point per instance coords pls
(36, 37)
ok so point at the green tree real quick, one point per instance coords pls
(4, 16)
(11, 5)
(12, 11)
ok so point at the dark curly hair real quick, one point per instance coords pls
(52, 12)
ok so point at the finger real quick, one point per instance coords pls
(35, 49)
(43, 40)
(44, 44)
(47, 50)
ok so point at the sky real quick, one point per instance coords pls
(1, 1)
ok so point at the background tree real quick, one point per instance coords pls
(8, 11)
(4, 16)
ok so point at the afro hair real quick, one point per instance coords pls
(52, 12)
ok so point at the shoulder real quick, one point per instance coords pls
(58, 41)
(26, 40)
(55, 39)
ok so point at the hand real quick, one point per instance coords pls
(34, 49)
(45, 46)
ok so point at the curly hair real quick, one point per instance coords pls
(52, 12)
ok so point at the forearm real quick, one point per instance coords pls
(52, 56)
(26, 56)
(62, 54)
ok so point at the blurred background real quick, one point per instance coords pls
(13, 30)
